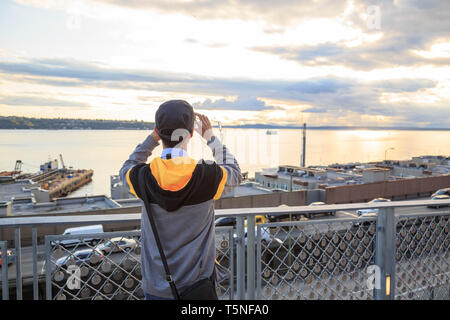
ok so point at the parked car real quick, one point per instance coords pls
(266, 236)
(439, 197)
(9, 255)
(277, 218)
(365, 215)
(361, 212)
(373, 210)
(319, 203)
(231, 221)
(80, 257)
(379, 200)
(225, 222)
(258, 219)
(79, 231)
(118, 244)
(441, 192)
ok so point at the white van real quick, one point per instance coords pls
(80, 231)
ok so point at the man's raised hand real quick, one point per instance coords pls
(203, 126)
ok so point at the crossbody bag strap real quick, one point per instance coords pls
(169, 277)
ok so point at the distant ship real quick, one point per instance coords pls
(271, 131)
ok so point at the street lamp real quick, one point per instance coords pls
(385, 152)
(384, 183)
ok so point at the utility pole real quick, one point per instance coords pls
(304, 146)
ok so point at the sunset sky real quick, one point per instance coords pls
(327, 62)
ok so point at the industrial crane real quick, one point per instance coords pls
(62, 162)
(18, 166)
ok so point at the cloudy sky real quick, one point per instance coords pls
(326, 62)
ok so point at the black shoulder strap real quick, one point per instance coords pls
(169, 277)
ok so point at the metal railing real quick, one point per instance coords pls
(391, 256)
(422, 269)
(87, 272)
(96, 268)
(315, 259)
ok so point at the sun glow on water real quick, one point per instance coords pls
(366, 134)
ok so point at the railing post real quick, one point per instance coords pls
(18, 255)
(258, 262)
(35, 268)
(231, 242)
(385, 253)
(250, 257)
(48, 283)
(240, 258)
(4, 257)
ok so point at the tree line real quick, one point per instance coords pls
(68, 124)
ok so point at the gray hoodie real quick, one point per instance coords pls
(182, 200)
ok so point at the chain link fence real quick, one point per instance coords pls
(388, 256)
(96, 266)
(107, 266)
(315, 259)
(226, 256)
(422, 270)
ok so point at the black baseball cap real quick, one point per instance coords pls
(174, 114)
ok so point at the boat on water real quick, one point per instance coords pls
(271, 132)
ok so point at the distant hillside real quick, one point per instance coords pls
(70, 124)
(100, 124)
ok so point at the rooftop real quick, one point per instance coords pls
(20, 188)
(354, 173)
(28, 207)
(247, 189)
